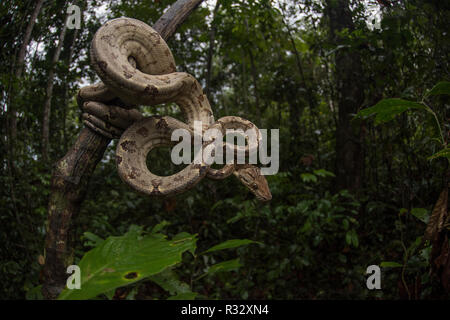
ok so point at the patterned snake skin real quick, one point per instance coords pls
(137, 68)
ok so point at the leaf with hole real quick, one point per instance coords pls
(119, 261)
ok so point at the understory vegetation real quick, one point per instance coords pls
(359, 92)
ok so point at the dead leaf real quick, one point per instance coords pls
(170, 204)
(442, 264)
(436, 223)
(307, 160)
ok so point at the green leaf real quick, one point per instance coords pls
(184, 296)
(355, 240)
(351, 238)
(110, 294)
(324, 173)
(168, 280)
(160, 226)
(421, 213)
(230, 244)
(388, 109)
(390, 264)
(35, 293)
(445, 153)
(94, 240)
(180, 237)
(308, 177)
(228, 265)
(348, 237)
(442, 87)
(119, 261)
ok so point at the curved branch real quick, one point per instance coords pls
(72, 173)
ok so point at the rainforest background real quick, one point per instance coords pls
(351, 191)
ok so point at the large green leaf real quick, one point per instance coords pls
(230, 244)
(440, 88)
(388, 109)
(119, 261)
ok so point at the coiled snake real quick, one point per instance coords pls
(137, 68)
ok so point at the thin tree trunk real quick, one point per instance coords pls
(244, 80)
(254, 78)
(212, 36)
(312, 101)
(26, 39)
(349, 78)
(20, 62)
(255, 87)
(71, 178)
(49, 94)
(66, 87)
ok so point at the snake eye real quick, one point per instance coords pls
(254, 185)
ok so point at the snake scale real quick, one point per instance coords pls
(137, 68)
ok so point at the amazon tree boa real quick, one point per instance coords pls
(137, 68)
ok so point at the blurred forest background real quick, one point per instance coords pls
(349, 193)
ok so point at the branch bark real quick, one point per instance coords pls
(72, 173)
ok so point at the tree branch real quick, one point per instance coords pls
(71, 176)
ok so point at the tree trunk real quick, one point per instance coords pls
(255, 87)
(71, 178)
(49, 94)
(20, 66)
(66, 88)
(350, 91)
(244, 80)
(311, 100)
(212, 35)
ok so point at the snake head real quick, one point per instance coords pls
(252, 178)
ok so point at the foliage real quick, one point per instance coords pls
(133, 257)
(276, 64)
(119, 261)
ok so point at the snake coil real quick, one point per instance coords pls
(137, 68)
